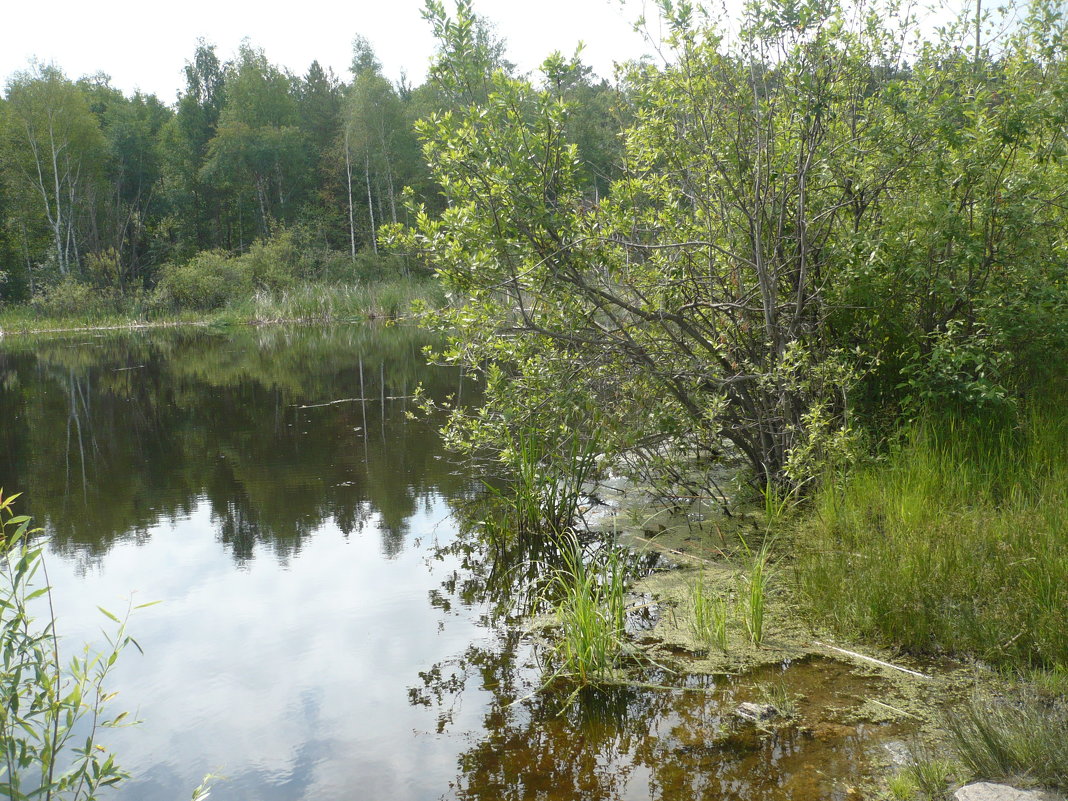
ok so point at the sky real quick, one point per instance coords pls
(145, 45)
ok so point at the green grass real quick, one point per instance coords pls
(927, 777)
(589, 597)
(546, 476)
(1024, 736)
(755, 594)
(710, 613)
(957, 542)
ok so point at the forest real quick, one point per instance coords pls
(137, 203)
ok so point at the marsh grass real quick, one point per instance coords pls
(1021, 737)
(755, 584)
(779, 696)
(588, 594)
(547, 480)
(927, 777)
(957, 542)
(710, 613)
(315, 302)
(389, 298)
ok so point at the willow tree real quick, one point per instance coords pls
(707, 304)
(685, 310)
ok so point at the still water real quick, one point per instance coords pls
(324, 630)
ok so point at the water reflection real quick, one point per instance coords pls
(326, 632)
(673, 737)
(111, 433)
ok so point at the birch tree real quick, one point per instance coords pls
(54, 142)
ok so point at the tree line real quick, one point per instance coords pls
(106, 189)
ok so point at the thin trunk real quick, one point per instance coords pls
(348, 181)
(370, 203)
(60, 251)
(392, 193)
(26, 254)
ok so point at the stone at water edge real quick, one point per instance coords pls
(756, 713)
(988, 791)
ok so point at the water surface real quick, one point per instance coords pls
(324, 631)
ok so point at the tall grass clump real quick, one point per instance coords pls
(1012, 738)
(957, 542)
(589, 598)
(548, 474)
(321, 302)
(755, 594)
(710, 612)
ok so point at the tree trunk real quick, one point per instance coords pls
(370, 203)
(348, 183)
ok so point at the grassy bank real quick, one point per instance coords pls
(956, 543)
(303, 302)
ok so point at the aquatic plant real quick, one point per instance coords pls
(589, 599)
(710, 613)
(755, 593)
(548, 470)
(776, 694)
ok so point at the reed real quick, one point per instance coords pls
(710, 613)
(547, 480)
(755, 584)
(589, 596)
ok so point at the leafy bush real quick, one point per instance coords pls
(274, 264)
(70, 298)
(210, 280)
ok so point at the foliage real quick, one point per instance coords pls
(547, 478)
(589, 595)
(51, 709)
(755, 585)
(709, 615)
(207, 281)
(68, 298)
(806, 225)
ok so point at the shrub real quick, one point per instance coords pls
(50, 710)
(210, 280)
(69, 298)
(274, 264)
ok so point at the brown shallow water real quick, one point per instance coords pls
(326, 632)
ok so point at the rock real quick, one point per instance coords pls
(988, 791)
(756, 713)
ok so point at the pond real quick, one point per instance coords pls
(324, 630)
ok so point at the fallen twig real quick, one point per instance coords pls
(350, 400)
(680, 553)
(872, 659)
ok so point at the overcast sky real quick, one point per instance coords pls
(144, 45)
